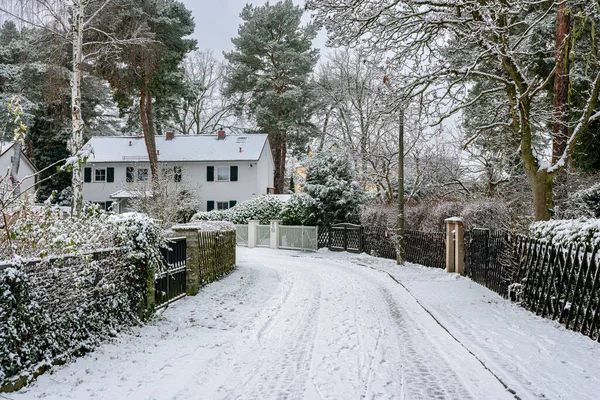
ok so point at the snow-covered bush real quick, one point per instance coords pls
(261, 208)
(45, 231)
(380, 215)
(209, 226)
(78, 293)
(582, 230)
(301, 209)
(434, 220)
(491, 214)
(331, 181)
(584, 203)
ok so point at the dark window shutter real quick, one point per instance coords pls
(210, 174)
(87, 174)
(110, 174)
(233, 173)
(232, 203)
(210, 205)
(129, 174)
(108, 204)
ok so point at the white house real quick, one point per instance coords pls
(224, 169)
(26, 167)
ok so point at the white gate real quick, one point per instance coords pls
(263, 236)
(298, 237)
(241, 235)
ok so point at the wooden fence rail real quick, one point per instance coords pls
(216, 254)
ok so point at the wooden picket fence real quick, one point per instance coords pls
(216, 255)
(560, 282)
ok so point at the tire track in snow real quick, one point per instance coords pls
(285, 346)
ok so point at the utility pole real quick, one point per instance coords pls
(401, 252)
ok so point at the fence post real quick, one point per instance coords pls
(455, 245)
(459, 242)
(192, 261)
(252, 228)
(345, 237)
(274, 236)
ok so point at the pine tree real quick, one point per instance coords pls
(269, 70)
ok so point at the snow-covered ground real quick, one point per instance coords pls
(290, 325)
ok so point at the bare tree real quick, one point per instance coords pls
(442, 48)
(206, 108)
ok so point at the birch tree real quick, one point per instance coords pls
(442, 48)
(75, 21)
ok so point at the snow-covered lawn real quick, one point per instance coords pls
(290, 325)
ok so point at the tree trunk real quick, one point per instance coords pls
(148, 130)
(541, 186)
(280, 183)
(276, 150)
(324, 132)
(401, 252)
(560, 126)
(76, 142)
(14, 168)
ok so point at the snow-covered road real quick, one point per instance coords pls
(288, 325)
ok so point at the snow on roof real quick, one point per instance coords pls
(180, 148)
(125, 194)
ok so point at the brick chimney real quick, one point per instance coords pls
(221, 134)
(170, 135)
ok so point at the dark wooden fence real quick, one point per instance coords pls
(169, 285)
(216, 255)
(488, 259)
(425, 248)
(560, 282)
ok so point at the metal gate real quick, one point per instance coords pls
(170, 285)
(346, 237)
(241, 235)
(298, 237)
(263, 236)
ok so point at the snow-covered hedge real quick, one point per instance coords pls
(46, 231)
(584, 203)
(54, 307)
(301, 209)
(262, 208)
(209, 226)
(582, 230)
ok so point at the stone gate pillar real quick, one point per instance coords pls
(455, 245)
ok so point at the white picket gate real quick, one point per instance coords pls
(278, 236)
(298, 237)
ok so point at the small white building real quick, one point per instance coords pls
(27, 170)
(223, 169)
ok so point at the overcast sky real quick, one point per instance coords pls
(217, 21)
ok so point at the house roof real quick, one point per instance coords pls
(180, 148)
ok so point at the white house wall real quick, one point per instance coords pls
(253, 180)
(25, 168)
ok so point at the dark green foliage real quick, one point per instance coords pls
(331, 181)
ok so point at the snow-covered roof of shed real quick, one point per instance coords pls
(180, 148)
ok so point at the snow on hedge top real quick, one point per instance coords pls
(207, 226)
(180, 148)
(582, 230)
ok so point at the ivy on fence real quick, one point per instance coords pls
(58, 307)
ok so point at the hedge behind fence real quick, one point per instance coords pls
(58, 307)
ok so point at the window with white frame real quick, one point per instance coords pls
(142, 174)
(100, 175)
(222, 174)
(222, 205)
